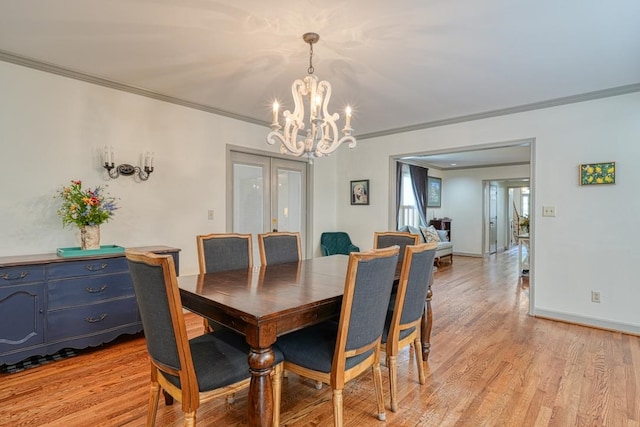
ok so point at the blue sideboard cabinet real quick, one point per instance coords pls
(48, 302)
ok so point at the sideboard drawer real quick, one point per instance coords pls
(21, 275)
(88, 267)
(91, 319)
(88, 290)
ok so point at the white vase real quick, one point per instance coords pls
(90, 237)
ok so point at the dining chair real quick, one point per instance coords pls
(384, 239)
(279, 247)
(192, 371)
(223, 252)
(403, 324)
(337, 352)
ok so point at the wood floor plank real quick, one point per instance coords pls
(491, 364)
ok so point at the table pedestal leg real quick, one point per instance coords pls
(427, 323)
(260, 401)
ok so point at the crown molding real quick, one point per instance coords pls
(65, 72)
(51, 68)
(605, 93)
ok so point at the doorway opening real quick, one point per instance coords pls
(466, 174)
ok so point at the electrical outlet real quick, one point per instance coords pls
(210, 213)
(595, 296)
(548, 211)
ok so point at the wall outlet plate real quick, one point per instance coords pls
(548, 211)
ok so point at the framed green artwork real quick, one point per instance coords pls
(434, 192)
(598, 173)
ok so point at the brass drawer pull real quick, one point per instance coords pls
(94, 320)
(95, 291)
(23, 274)
(93, 267)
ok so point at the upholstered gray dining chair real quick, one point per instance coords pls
(336, 352)
(192, 371)
(279, 247)
(223, 252)
(384, 239)
(403, 324)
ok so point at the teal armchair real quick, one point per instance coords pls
(337, 242)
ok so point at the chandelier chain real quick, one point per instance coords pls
(310, 70)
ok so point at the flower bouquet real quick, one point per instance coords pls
(87, 209)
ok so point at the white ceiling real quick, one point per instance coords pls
(515, 154)
(403, 64)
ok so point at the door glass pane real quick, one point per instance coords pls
(493, 219)
(248, 199)
(289, 213)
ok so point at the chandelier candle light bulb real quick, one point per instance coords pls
(276, 107)
(321, 132)
(347, 124)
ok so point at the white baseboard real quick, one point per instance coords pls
(588, 321)
(467, 254)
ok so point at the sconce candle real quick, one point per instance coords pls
(148, 159)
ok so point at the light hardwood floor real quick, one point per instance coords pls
(491, 365)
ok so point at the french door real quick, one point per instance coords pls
(268, 194)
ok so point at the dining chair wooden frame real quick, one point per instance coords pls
(419, 278)
(187, 393)
(412, 239)
(262, 245)
(339, 375)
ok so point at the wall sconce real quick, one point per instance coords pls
(127, 169)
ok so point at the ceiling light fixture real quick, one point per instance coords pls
(321, 136)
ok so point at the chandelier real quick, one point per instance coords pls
(319, 130)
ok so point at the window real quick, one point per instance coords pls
(524, 198)
(408, 213)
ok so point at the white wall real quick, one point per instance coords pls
(590, 244)
(52, 130)
(462, 201)
(325, 198)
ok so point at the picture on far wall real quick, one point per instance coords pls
(598, 173)
(360, 192)
(434, 192)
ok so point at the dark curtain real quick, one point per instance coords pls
(419, 184)
(398, 191)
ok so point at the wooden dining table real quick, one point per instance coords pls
(265, 302)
